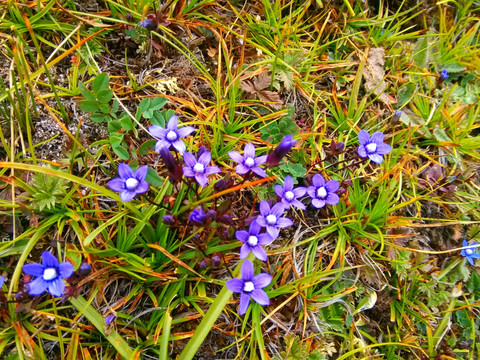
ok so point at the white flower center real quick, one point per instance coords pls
(289, 195)
(248, 286)
(131, 183)
(199, 168)
(252, 240)
(271, 219)
(321, 192)
(249, 162)
(172, 135)
(49, 274)
(469, 251)
(371, 148)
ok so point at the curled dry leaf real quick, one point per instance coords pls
(257, 88)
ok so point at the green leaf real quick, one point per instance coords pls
(158, 119)
(146, 147)
(99, 118)
(100, 83)
(157, 103)
(405, 94)
(89, 106)
(153, 179)
(454, 67)
(116, 139)
(126, 123)
(121, 152)
(114, 125)
(441, 135)
(104, 108)
(105, 96)
(87, 94)
(473, 285)
(420, 57)
(115, 107)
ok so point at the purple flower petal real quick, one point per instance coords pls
(318, 203)
(157, 131)
(298, 204)
(142, 187)
(235, 285)
(124, 171)
(34, 269)
(272, 231)
(288, 183)
(377, 138)
(188, 172)
(159, 145)
(264, 208)
(363, 137)
(332, 186)
(244, 302)
(299, 191)
(244, 251)
(261, 221)
(260, 253)
(127, 196)
(376, 158)
(56, 287)
(172, 124)
(247, 270)
(202, 179)
(262, 280)
(383, 149)
(249, 151)
(180, 146)
(260, 160)
(210, 170)
(311, 191)
(189, 159)
(141, 173)
(318, 180)
(259, 172)
(361, 151)
(278, 190)
(49, 260)
(205, 158)
(185, 131)
(37, 287)
(242, 169)
(284, 222)
(260, 297)
(277, 210)
(332, 199)
(235, 156)
(65, 269)
(254, 228)
(116, 184)
(264, 239)
(241, 235)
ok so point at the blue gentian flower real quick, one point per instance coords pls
(48, 275)
(280, 151)
(2, 280)
(109, 319)
(444, 74)
(129, 183)
(171, 136)
(175, 172)
(470, 254)
(250, 286)
(373, 147)
(252, 241)
(323, 192)
(271, 218)
(248, 162)
(289, 195)
(198, 216)
(200, 168)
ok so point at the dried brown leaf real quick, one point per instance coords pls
(374, 73)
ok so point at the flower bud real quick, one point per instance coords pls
(175, 171)
(168, 219)
(203, 264)
(197, 216)
(151, 24)
(273, 159)
(84, 269)
(220, 185)
(216, 260)
(211, 214)
(226, 219)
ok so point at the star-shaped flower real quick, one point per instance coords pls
(470, 254)
(200, 168)
(323, 192)
(171, 135)
(372, 147)
(250, 286)
(272, 219)
(248, 162)
(252, 241)
(48, 275)
(129, 183)
(289, 195)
